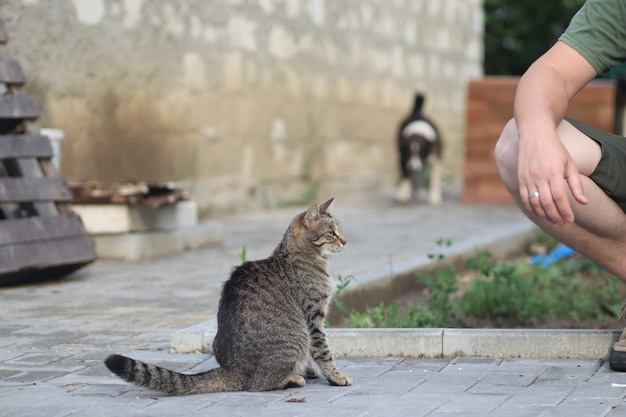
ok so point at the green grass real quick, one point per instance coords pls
(502, 293)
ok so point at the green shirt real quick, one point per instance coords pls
(598, 33)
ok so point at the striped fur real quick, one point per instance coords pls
(270, 319)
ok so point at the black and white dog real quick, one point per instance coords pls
(419, 146)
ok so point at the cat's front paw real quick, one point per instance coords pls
(340, 380)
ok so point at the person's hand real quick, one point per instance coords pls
(546, 171)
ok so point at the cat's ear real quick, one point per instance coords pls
(327, 207)
(313, 213)
(311, 216)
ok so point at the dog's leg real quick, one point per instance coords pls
(434, 191)
(405, 190)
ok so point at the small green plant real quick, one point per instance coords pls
(440, 242)
(342, 284)
(242, 255)
(242, 258)
(442, 304)
(502, 292)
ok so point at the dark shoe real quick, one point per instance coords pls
(617, 357)
(617, 360)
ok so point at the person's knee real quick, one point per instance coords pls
(506, 152)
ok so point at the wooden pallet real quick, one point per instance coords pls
(40, 236)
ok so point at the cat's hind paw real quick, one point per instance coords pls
(340, 380)
(292, 381)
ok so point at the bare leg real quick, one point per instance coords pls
(599, 230)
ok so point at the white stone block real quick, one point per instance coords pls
(137, 246)
(122, 218)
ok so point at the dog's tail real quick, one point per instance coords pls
(170, 382)
(419, 102)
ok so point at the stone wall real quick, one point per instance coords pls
(251, 103)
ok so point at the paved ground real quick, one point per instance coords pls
(54, 336)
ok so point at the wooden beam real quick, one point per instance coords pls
(19, 231)
(11, 71)
(44, 254)
(20, 106)
(4, 36)
(25, 146)
(43, 247)
(20, 190)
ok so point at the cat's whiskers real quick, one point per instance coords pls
(345, 254)
(352, 247)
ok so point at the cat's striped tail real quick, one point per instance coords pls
(171, 382)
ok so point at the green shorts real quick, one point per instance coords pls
(610, 174)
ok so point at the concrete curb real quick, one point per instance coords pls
(438, 343)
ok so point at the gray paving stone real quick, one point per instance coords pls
(596, 390)
(253, 399)
(569, 373)
(35, 359)
(410, 405)
(588, 409)
(538, 396)
(516, 412)
(420, 366)
(447, 384)
(36, 375)
(361, 404)
(318, 393)
(484, 403)
(395, 384)
(502, 383)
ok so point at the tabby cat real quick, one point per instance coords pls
(270, 320)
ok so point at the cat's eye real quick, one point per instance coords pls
(332, 233)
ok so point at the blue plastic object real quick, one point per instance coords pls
(558, 253)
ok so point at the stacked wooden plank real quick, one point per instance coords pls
(490, 106)
(40, 236)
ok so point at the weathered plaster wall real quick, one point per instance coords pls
(249, 101)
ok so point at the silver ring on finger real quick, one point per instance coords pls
(534, 194)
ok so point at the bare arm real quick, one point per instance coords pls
(541, 101)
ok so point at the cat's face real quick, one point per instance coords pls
(329, 237)
(323, 230)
